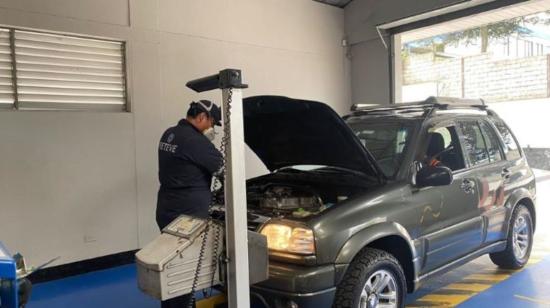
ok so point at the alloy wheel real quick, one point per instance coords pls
(379, 291)
(521, 237)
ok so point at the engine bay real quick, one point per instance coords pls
(296, 195)
(283, 200)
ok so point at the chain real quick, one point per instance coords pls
(217, 230)
(223, 150)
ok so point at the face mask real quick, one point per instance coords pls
(210, 133)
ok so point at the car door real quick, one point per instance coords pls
(492, 177)
(449, 224)
(514, 173)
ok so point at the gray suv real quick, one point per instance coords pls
(359, 210)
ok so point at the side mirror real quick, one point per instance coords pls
(434, 176)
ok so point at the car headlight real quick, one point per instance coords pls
(286, 238)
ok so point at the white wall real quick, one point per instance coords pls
(369, 62)
(83, 184)
(528, 119)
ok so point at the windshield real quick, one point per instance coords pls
(385, 141)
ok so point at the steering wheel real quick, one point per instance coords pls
(450, 147)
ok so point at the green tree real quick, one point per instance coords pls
(497, 31)
(486, 33)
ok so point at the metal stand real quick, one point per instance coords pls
(230, 82)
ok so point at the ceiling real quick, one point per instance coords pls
(338, 3)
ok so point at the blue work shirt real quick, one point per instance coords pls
(187, 161)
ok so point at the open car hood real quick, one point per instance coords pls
(284, 132)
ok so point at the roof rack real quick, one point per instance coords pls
(455, 101)
(427, 106)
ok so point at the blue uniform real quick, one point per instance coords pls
(187, 160)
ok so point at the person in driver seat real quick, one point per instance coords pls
(435, 148)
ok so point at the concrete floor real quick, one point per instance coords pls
(476, 284)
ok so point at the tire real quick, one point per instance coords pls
(369, 267)
(520, 235)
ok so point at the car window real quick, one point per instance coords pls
(385, 141)
(491, 141)
(511, 147)
(473, 142)
(447, 150)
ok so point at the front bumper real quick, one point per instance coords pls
(268, 298)
(290, 285)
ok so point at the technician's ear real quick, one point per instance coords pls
(202, 117)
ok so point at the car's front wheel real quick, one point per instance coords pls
(519, 241)
(374, 279)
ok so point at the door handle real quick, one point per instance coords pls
(505, 173)
(468, 186)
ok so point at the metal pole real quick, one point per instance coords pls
(235, 204)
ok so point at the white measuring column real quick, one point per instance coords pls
(235, 204)
(236, 229)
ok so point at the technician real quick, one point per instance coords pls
(187, 161)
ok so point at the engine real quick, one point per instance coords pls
(291, 195)
(289, 198)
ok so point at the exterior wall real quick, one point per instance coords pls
(527, 120)
(494, 80)
(506, 80)
(445, 73)
(83, 184)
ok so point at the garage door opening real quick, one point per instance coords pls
(501, 56)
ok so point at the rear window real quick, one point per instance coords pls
(491, 140)
(474, 144)
(511, 146)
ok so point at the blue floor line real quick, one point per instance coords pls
(115, 287)
(529, 288)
